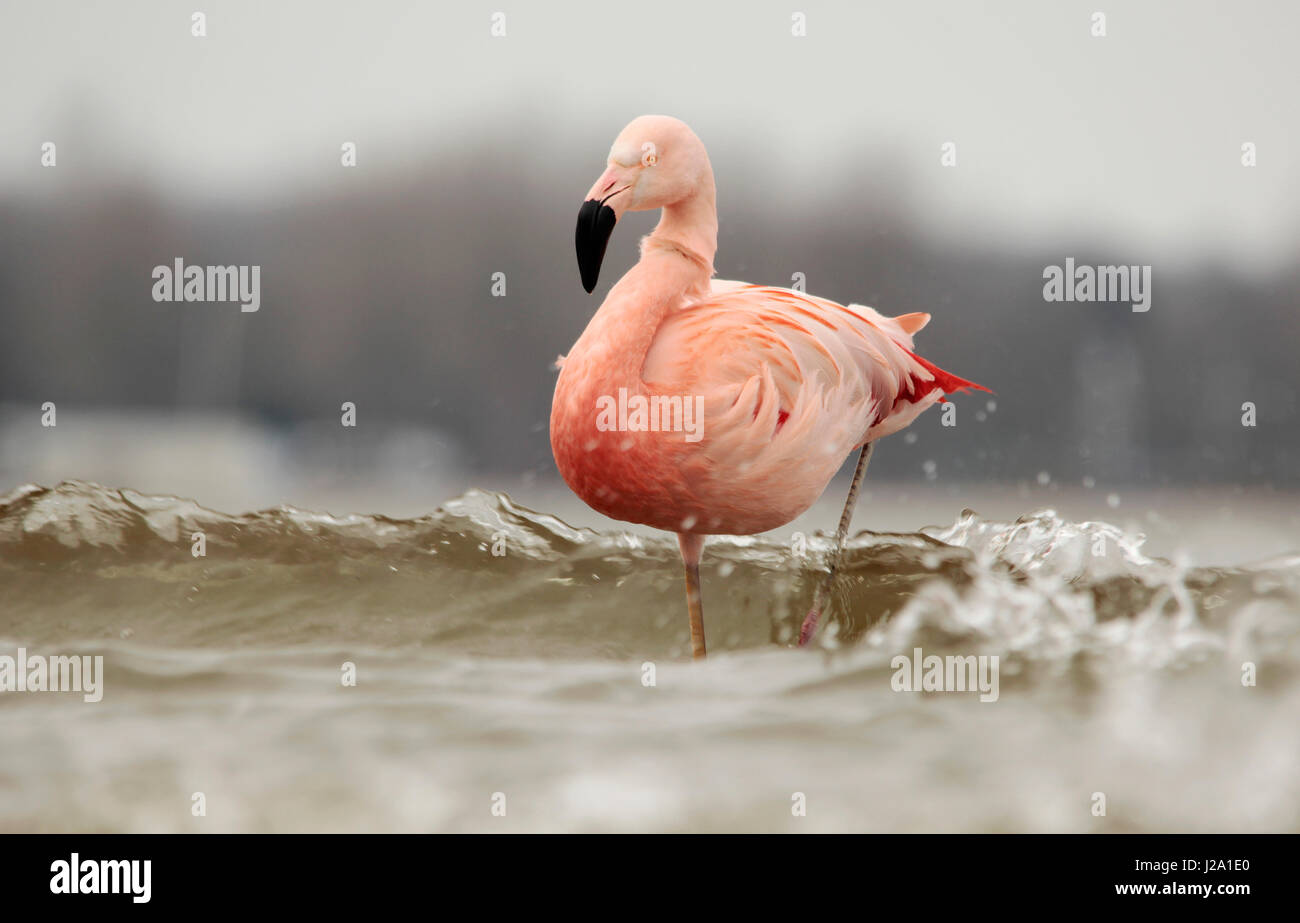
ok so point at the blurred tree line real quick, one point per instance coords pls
(377, 289)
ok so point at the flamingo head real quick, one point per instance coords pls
(655, 162)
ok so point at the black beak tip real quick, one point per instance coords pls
(595, 224)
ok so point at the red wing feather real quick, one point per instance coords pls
(945, 381)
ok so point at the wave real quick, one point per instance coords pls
(487, 575)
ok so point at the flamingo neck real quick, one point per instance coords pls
(692, 224)
(675, 267)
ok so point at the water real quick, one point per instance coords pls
(523, 674)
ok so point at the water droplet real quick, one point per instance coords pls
(1044, 478)
(1089, 481)
(910, 438)
(1113, 501)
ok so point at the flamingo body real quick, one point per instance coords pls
(787, 384)
(790, 384)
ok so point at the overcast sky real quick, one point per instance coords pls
(1136, 136)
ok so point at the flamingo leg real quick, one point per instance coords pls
(691, 546)
(822, 597)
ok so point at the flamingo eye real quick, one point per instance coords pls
(649, 155)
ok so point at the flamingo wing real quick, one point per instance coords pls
(786, 374)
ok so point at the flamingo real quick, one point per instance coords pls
(708, 407)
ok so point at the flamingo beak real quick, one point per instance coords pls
(596, 222)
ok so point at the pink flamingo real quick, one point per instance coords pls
(705, 407)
